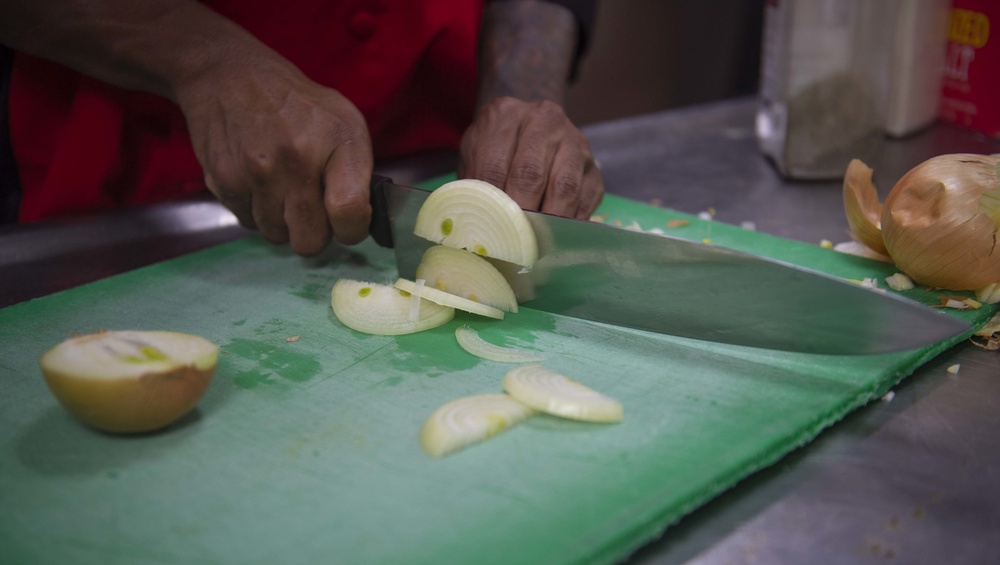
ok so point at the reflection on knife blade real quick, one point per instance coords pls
(694, 290)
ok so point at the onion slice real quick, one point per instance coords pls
(465, 274)
(471, 342)
(469, 420)
(477, 216)
(447, 299)
(382, 310)
(548, 391)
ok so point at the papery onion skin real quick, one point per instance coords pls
(933, 227)
(862, 206)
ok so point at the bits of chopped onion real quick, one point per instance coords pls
(382, 310)
(469, 420)
(957, 302)
(899, 281)
(860, 250)
(471, 342)
(447, 299)
(548, 391)
(989, 294)
(867, 282)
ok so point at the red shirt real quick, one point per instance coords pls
(83, 145)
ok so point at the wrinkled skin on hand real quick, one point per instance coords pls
(534, 153)
(286, 155)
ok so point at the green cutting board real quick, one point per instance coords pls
(306, 451)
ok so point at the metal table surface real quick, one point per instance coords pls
(914, 479)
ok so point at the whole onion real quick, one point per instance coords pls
(939, 223)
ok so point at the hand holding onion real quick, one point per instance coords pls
(939, 223)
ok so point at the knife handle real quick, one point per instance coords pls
(380, 228)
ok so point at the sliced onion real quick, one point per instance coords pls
(469, 420)
(465, 274)
(548, 391)
(447, 299)
(382, 310)
(477, 216)
(471, 342)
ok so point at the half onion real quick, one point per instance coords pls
(465, 274)
(130, 381)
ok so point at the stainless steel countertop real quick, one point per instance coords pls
(911, 480)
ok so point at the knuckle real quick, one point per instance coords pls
(528, 174)
(566, 187)
(494, 172)
(341, 205)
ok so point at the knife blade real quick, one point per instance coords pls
(683, 288)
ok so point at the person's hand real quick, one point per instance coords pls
(533, 152)
(286, 155)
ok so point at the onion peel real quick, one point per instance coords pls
(862, 206)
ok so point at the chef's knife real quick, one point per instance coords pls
(683, 288)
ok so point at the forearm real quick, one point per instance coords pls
(526, 51)
(153, 45)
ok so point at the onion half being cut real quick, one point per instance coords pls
(383, 310)
(465, 274)
(479, 217)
